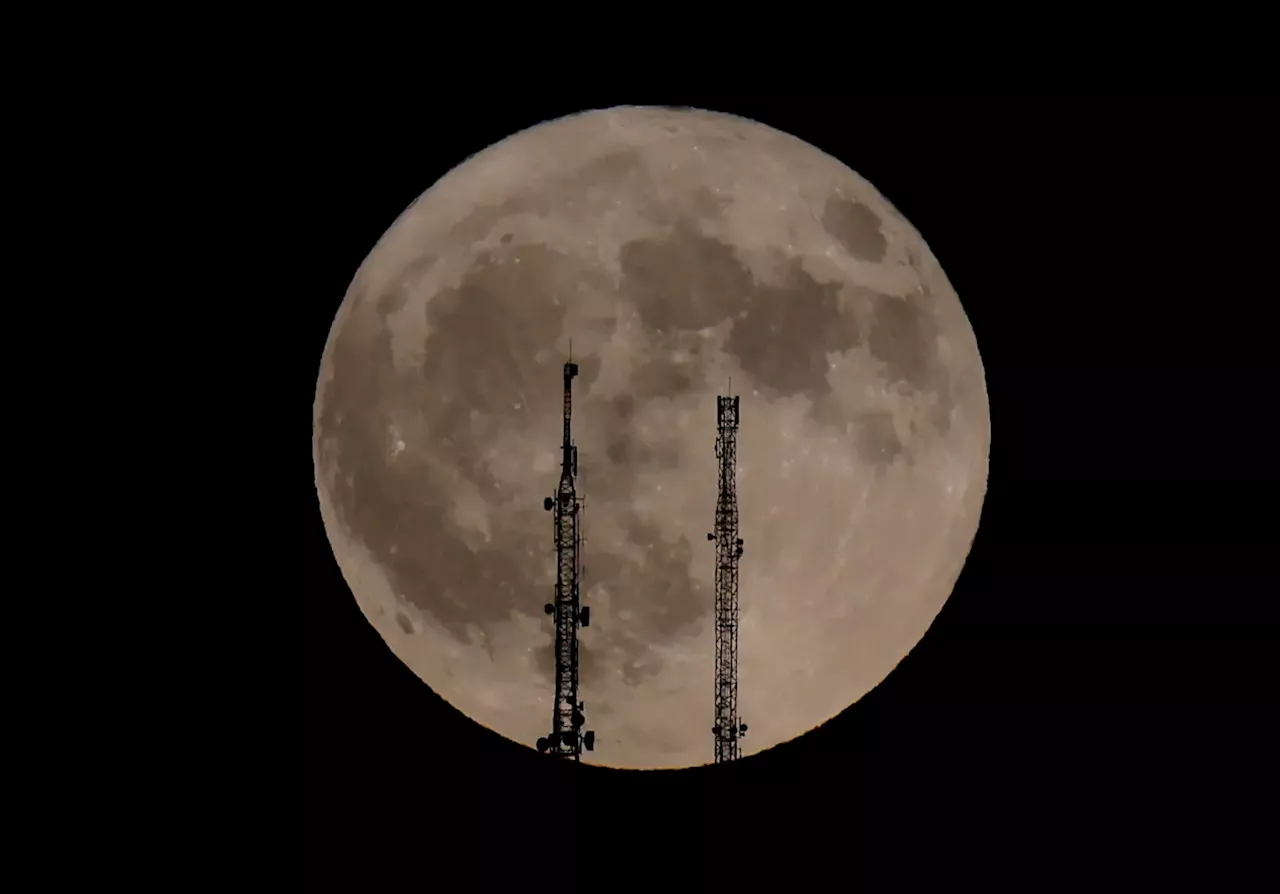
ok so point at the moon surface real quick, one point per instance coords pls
(677, 249)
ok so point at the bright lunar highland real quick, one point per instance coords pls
(677, 249)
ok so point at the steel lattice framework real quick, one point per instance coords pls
(728, 729)
(567, 738)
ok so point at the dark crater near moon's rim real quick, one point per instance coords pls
(484, 347)
(854, 226)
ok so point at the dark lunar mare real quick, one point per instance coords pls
(854, 226)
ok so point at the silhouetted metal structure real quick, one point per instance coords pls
(567, 738)
(728, 728)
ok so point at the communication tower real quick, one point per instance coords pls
(567, 738)
(729, 727)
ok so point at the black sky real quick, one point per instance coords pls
(1098, 688)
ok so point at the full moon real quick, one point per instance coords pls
(678, 250)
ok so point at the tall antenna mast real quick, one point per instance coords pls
(567, 713)
(729, 728)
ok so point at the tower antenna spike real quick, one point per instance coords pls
(729, 728)
(567, 737)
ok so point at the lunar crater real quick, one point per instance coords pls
(856, 227)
